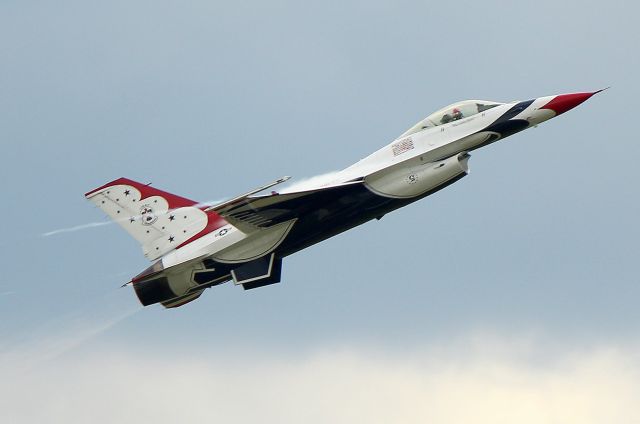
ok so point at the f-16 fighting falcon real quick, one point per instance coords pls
(246, 238)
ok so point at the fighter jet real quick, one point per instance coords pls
(245, 239)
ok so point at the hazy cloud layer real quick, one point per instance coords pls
(488, 381)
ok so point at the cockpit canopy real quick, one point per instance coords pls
(451, 113)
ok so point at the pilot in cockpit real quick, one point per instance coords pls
(454, 116)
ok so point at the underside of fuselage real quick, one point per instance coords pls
(316, 220)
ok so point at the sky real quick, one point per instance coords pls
(511, 296)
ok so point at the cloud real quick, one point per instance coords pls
(487, 382)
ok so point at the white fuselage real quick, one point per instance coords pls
(438, 142)
(391, 171)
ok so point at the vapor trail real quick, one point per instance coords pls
(209, 203)
(76, 228)
(69, 331)
(103, 223)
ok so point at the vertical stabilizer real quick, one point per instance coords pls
(159, 221)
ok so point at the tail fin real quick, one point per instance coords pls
(158, 220)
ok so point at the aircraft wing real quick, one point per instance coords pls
(250, 213)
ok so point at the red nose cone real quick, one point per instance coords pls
(564, 102)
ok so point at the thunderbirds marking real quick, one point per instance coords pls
(244, 239)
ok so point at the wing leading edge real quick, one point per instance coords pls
(250, 213)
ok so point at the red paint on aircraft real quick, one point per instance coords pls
(214, 221)
(147, 191)
(564, 102)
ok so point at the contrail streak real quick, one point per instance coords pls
(103, 223)
(77, 228)
(69, 331)
(209, 203)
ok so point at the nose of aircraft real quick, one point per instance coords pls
(564, 102)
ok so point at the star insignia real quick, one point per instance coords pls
(172, 217)
(127, 192)
(170, 239)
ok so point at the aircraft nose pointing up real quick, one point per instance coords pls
(564, 102)
(244, 239)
